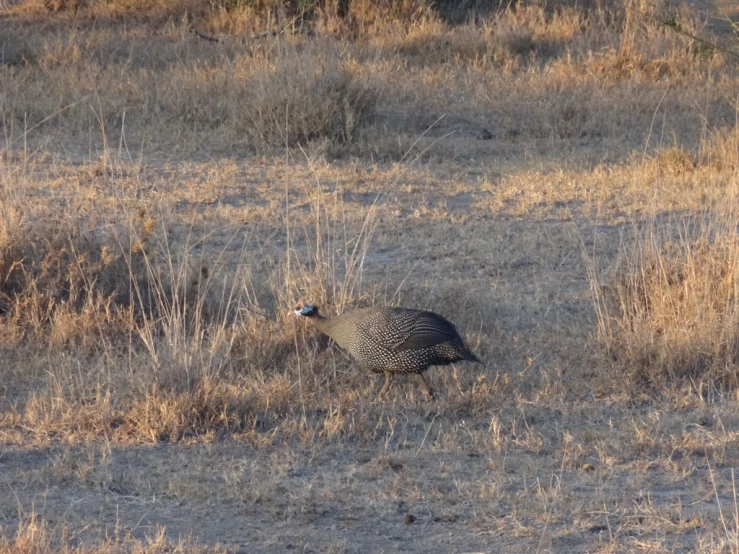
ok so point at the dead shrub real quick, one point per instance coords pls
(669, 308)
(301, 99)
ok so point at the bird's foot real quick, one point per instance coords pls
(426, 389)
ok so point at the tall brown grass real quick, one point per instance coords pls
(177, 339)
(669, 307)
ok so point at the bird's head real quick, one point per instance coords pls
(307, 311)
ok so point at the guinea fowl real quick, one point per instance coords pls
(394, 340)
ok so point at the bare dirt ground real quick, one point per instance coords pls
(490, 181)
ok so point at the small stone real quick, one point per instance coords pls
(409, 518)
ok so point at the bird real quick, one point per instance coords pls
(393, 340)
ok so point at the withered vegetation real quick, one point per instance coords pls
(557, 178)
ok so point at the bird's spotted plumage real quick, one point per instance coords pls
(394, 340)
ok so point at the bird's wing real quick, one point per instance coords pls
(423, 330)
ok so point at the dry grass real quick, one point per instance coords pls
(667, 309)
(535, 73)
(168, 199)
(671, 308)
(306, 98)
(35, 536)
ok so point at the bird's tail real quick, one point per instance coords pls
(467, 354)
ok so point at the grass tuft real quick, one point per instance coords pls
(301, 99)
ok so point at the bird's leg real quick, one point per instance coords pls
(388, 381)
(426, 389)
